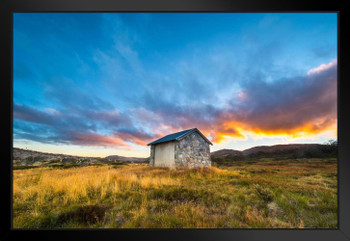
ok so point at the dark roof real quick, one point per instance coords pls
(178, 136)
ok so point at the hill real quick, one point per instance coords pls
(289, 151)
(299, 148)
(226, 152)
(22, 157)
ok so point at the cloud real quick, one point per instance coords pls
(29, 114)
(136, 136)
(290, 106)
(294, 102)
(226, 89)
(95, 139)
(305, 104)
(322, 67)
(80, 121)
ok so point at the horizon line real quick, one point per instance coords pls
(13, 147)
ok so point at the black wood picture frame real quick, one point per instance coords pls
(342, 8)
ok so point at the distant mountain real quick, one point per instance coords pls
(277, 151)
(282, 148)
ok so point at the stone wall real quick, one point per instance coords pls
(192, 151)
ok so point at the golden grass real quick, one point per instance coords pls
(258, 195)
(75, 184)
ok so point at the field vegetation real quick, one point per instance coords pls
(245, 194)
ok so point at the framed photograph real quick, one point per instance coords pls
(177, 120)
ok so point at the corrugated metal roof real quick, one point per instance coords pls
(177, 136)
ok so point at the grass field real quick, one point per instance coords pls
(261, 194)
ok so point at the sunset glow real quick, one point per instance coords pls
(98, 84)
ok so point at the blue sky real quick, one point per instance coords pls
(96, 84)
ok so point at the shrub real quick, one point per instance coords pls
(86, 214)
(264, 193)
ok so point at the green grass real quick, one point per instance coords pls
(259, 194)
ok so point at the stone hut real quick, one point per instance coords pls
(184, 149)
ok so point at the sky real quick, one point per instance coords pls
(99, 84)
